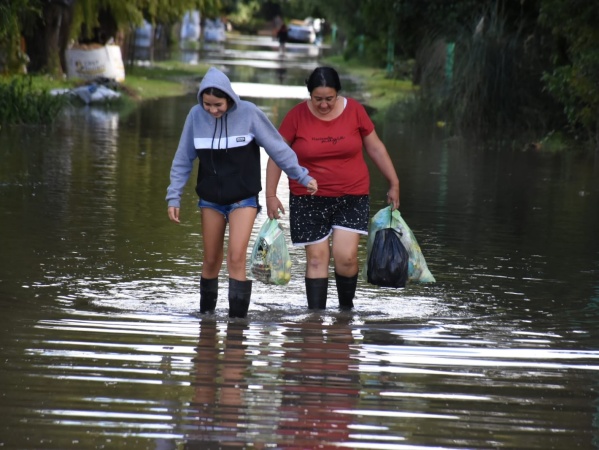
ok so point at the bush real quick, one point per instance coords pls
(22, 103)
(494, 84)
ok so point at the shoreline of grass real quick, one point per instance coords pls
(379, 91)
(174, 78)
(164, 79)
(170, 78)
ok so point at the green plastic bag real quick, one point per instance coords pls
(417, 269)
(270, 262)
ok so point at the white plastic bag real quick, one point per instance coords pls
(270, 261)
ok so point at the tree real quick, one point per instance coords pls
(53, 23)
(411, 22)
(12, 56)
(574, 78)
(47, 37)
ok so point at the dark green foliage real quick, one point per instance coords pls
(12, 14)
(494, 86)
(574, 78)
(21, 103)
(535, 64)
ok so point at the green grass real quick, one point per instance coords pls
(171, 78)
(27, 99)
(379, 91)
(163, 79)
(176, 78)
(47, 83)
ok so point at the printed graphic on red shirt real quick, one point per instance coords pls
(331, 150)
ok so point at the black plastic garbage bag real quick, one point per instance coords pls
(418, 271)
(388, 260)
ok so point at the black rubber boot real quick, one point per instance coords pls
(208, 294)
(346, 290)
(239, 297)
(316, 291)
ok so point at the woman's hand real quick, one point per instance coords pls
(173, 214)
(312, 187)
(393, 197)
(273, 207)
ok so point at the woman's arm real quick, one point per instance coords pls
(268, 137)
(273, 204)
(379, 155)
(181, 168)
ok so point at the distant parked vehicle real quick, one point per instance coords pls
(190, 27)
(301, 31)
(144, 35)
(214, 31)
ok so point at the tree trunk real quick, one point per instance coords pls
(47, 42)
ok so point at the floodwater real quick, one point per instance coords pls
(101, 346)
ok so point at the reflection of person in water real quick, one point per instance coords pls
(281, 73)
(307, 375)
(219, 386)
(318, 382)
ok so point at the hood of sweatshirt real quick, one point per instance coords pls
(214, 78)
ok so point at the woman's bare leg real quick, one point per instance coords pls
(241, 223)
(213, 236)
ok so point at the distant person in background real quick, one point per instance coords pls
(283, 36)
(317, 25)
(276, 25)
(328, 132)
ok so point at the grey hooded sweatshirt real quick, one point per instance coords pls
(228, 149)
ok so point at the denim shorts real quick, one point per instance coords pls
(313, 218)
(225, 210)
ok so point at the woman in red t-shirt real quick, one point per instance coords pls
(328, 133)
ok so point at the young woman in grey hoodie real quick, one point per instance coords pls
(225, 133)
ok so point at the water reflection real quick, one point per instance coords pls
(250, 387)
(322, 382)
(221, 385)
(102, 347)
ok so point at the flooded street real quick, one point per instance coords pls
(102, 348)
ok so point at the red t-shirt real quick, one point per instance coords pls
(330, 150)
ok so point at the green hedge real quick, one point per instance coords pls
(22, 103)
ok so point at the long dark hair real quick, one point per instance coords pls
(323, 77)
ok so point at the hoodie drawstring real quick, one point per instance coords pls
(212, 146)
(220, 135)
(227, 133)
